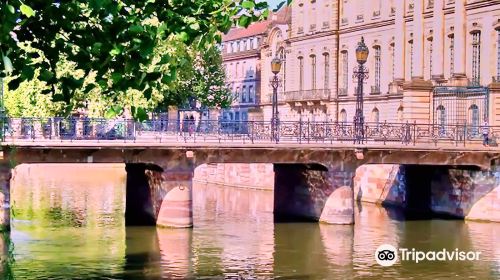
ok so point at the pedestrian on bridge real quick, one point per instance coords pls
(486, 133)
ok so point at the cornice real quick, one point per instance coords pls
(312, 36)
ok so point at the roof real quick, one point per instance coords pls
(258, 28)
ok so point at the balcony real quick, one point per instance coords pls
(303, 95)
(300, 30)
(360, 18)
(393, 12)
(326, 24)
(376, 14)
(312, 27)
(344, 21)
(342, 91)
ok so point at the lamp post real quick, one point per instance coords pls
(275, 68)
(360, 73)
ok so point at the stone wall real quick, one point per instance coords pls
(250, 176)
(473, 195)
(380, 184)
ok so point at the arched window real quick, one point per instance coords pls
(282, 56)
(430, 40)
(244, 94)
(393, 60)
(376, 86)
(411, 58)
(313, 72)
(375, 117)
(476, 58)
(441, 117)
(345, 73)
(237, 93)
(327, 70)
(301, 73)
(452, 54)
(343, 116)
(474, 118)
(400, 114)
(251, 94)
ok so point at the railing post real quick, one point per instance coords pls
(465, 134)
(308, 131)
(414, 133)
(251, 133)
(300, 131)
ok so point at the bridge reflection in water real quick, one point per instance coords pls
(69, 226)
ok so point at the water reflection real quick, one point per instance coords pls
(68, 226)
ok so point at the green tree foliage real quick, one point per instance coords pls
(117, 41)
(205, 80)
(202, 76)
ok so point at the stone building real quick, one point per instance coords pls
(430, 61)
(307, 45)
(241, 52)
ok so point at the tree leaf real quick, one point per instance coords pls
(248, 4)
(11, 9)
(27, 10)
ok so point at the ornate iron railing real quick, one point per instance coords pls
(81, 129)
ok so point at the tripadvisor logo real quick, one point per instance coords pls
(387, 255)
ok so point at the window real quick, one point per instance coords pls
(376, 88)
(392, 58)
(441, 115)
(243, 69)
(474, 118)
(282, 56)
(250, 94)
(345, 71)
(476, 58)
(327, 70)
(400, 114)
(375, 117)
(343, 116)
(430, 57)
(498, 55)
(313, 72)
(452, 55)
(411, 59)
(244, 94)
(237, 93)
(301, 73)
(236, 70)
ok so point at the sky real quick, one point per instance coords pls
(274, 3)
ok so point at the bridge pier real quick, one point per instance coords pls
(159, 196)
(314, 192)
(5, 176)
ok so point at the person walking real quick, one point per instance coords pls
(486, 133)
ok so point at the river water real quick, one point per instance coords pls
(68, 223)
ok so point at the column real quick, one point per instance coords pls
(438, 41)
(5, 176)
(313, 192)
(399, 41)
(418, 41)
(459, 34)
(159, 195)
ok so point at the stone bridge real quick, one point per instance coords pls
(160, 174)
(160, 163)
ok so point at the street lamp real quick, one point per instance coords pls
(275, 68)
(360, 73)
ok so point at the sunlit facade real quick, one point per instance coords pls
(443, 56)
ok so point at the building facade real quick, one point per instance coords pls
(430, 61)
